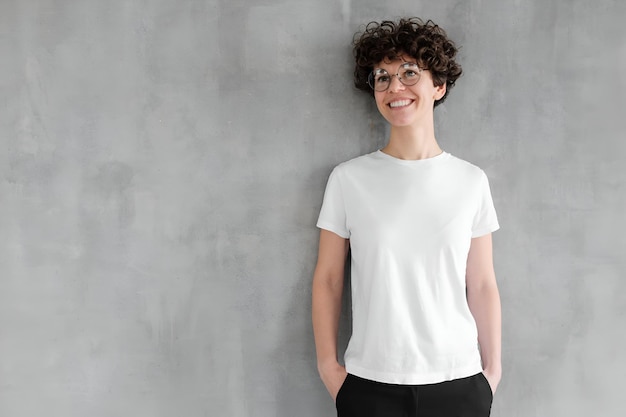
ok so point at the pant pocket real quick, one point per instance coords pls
(341, 390)
(486, 387)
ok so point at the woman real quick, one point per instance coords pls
(418, 222)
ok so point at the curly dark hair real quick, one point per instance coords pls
(424, 41)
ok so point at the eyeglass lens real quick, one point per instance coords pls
(408, 74)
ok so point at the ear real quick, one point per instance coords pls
(440, 91)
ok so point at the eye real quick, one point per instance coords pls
(410, 74)
(380, 76)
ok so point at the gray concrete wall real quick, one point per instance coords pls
(162, 168)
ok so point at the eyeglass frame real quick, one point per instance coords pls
(370, 77)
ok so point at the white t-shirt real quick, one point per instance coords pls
(410, 225)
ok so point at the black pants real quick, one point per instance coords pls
(464, 397)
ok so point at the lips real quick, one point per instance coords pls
(400, 103)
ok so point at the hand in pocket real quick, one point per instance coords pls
(333, 378)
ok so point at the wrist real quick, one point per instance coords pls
(493, 369)
(327, 363)
(493, 364)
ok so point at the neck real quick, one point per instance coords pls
(412, 143)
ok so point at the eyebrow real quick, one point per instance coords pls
(403, 62)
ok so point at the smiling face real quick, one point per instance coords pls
(403, 105)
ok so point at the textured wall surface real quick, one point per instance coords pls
(162, 167)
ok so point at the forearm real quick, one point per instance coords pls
(326, 310)
(484, 303)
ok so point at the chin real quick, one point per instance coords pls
(399, 123)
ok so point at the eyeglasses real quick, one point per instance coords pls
(409, 74)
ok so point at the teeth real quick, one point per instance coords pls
(400, 103)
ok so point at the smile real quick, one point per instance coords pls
(400, 103)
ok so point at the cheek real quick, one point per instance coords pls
(379, 101)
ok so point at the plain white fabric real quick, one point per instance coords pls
(410, 225)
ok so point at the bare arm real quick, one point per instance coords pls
(484, 303)
(327, 291)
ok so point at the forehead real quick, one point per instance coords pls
(392, 64)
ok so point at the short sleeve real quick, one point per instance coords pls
(485, 219)
(333, 213)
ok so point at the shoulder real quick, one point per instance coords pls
(356, 164)
(465, 168)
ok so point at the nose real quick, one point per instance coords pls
(395, 84)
